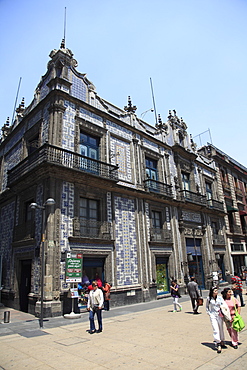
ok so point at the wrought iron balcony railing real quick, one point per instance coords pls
(158, 187)
(160, 235)
(62, 157)
(218, 239)
(192, 197)
(215, 204)
(226, 186)
(24, 231)
(91, 229)
(235, 229)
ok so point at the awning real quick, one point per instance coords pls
(231, 209)
(242, 213)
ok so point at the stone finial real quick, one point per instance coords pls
(130, 107)
(6, 129)
(21, 107)
(62, 46)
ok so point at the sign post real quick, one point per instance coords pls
(73, 274)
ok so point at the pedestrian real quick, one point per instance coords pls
(232, 302)
(175, 295)
(194, 294)
(237, 288)
(95, 305)
(98, 280)
(106, 290)
(213, 309)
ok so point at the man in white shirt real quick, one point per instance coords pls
(94, 305)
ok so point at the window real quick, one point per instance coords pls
(156, 220)
(185, 181)
(237, 247)
(89, 225)
(214, 227)
(151, 169)
(89, 146)
(151, 173)
(224, 176)
(88, 209)
(236, 182)
(209, 193)
(33, 144)
(28, 211)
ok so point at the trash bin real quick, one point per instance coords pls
(6, 317)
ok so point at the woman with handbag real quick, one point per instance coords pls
(213, 309)
(175, 295)
(233, 305)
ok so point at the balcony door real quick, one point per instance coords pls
(89, 147)
(151, 173)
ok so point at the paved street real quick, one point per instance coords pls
(144, 336)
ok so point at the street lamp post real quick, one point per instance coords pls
(48, 202)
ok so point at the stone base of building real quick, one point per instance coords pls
(50, 309)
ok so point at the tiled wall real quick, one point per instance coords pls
(126, 242)
(6, 235)
(67, 214)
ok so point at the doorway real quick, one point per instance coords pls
(195, 264)
(25, 284)
(162, 275)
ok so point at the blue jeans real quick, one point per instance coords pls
(99, 318)
(237, 292)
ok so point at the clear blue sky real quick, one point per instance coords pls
(194, 51)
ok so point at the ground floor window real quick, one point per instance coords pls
(162, 275)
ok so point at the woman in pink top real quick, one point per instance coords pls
(231, 302)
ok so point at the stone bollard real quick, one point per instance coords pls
(6, 317)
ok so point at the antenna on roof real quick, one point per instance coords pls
(156, 122)
(64, 31)
(16, 101)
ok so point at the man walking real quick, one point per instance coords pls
(237, 288)
(95, 305)
(194, 294)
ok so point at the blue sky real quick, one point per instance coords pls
(194, 51)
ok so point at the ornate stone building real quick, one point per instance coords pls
(232, 181)
(136, 201)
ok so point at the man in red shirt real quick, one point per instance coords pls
(238, 288)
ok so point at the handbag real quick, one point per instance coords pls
(238, 322)
(225, 312)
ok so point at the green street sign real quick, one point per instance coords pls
(73, 270)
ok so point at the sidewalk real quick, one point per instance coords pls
(153, 338)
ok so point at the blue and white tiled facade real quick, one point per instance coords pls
(67, 215)
(126, 242)
(6, 236)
